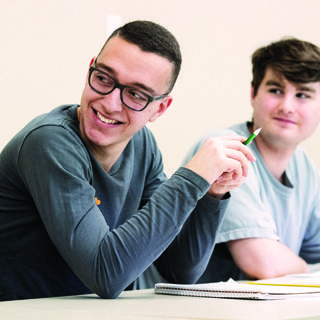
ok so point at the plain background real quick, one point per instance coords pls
(46, 47)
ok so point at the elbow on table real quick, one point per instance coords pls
(109, 294)
(261, 273)
(266, 269)
(269, 270)
(110, 291)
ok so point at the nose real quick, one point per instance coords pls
(112, 101)
(286, 105)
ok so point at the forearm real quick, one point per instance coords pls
(108, 261)
(187, 256)
(265, 258)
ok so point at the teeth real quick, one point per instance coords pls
(105, 120)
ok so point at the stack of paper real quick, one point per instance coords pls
(293, 280)
(278, 288)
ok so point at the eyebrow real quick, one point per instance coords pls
(306, 88)
(138, 85)
(274, 83)
(299, 86)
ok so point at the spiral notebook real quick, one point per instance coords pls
(235, 290)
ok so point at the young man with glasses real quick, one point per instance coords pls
(84, 203)
(272, 224)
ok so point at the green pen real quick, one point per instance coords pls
(252, 137)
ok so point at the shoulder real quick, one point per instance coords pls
(63, 116)
(302, 169)
(60, 119)
(145, 142)
(236, 129)
(147, 154)
(59, 126)
(145, 135)
(53, 132)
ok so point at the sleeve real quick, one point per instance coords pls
(310, 248)
(186, 257)
(56, 169)
(155, 175)
(191, 250)
(247, 215)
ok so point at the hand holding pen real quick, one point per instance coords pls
(226, 181)
(223, 162)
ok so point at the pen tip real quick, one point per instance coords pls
(257, 131)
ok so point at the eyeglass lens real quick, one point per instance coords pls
(104, 84)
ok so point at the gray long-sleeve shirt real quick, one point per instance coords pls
(69, 227)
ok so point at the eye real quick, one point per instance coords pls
(136, 94)
(275, 91)
(102, 79)
(302, 95)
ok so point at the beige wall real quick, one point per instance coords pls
(46, 47)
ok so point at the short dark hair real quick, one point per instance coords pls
(298, 61)
(154, 38)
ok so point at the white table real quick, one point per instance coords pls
(145, 305)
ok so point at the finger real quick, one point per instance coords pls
(234, 137)
(225, 177)
(235, 167)
(230, 184)
(246, 151)
(239, 157)
(237, 144)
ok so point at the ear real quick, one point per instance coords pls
(92, 61)
(252, 95)
(164, 105)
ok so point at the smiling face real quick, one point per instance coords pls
(287, 112)
(106, 124)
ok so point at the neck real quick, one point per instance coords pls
(106, 159)
(276, 158)
(106, 156)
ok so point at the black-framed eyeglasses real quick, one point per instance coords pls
(131, 97)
